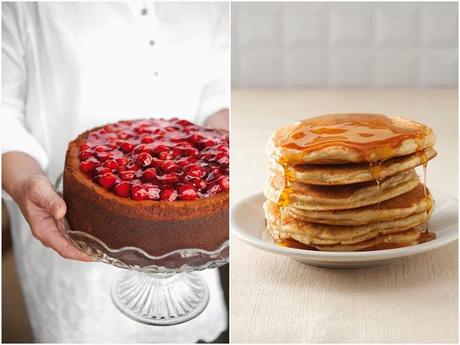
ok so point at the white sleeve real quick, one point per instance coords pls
(215, 94)
(14, 133)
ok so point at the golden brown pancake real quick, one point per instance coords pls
(338, 174)
(322, 198)
(402, 206)
(405, 238)
(284, 226)
(349, 138)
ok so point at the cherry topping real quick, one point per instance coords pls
(187, 192)
(168, 178)
(107, 180)
(170, 166)
(144, 159)
(89, 165)
(127, 147)
(122, 189)
(157, 159)
(224, 183)
(149, 174)
(194, 170)
(168, 194)
(84, 155)
(127, 175)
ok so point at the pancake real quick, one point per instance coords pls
(284, 226)
(349, 138)
(328, 174)
(389, 241)
(402, 206)
(321, 198)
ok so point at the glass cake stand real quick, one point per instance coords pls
(157, 290)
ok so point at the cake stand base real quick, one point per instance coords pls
(160, 299)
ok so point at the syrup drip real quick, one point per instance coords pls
(375, 169)
(424, 160)
(283, 199)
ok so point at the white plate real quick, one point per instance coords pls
(248, 224)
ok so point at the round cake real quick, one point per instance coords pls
(155, 184)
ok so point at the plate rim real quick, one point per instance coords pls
(343, 256)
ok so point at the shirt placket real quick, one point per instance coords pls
(148, 24)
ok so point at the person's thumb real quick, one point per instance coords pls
(44, 195)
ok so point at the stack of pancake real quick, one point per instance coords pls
(347, 182)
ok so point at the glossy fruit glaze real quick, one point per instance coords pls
(157, 159)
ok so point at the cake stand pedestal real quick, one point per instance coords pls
(160, 299)
(157, 290)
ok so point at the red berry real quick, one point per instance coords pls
(153, 192)
(111, 164)
(213, 190)
(89, 165)
(157, 163)
(100, 170)
(147, 140)
(160, 148)
(187, 192)
(168, 178)
(168, 194)
(103, 156)
(184, 123)
(127, 147)
(132, 166)
(191, 151)
(198, 183)
(127, 175)
(144, 159)
(208, 142)
(222, 158)
(122, 189)
(149, 174)
(170, 166)
(107, 180)
(194, 170)
(142, 148)
(138, 192)
(123, 135)
(122, 161)
(84, 155)
(84, 147)
(101, 148)
(224, 183)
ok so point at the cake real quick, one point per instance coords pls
(347, 182)
(155, 184)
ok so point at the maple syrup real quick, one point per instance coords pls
(426, 236)
(290, 243)
(374, 136)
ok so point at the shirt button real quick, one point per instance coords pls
(152, 42)
(144, 11)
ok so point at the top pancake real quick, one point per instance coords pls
(349, 138)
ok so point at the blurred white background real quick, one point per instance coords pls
(363, 44)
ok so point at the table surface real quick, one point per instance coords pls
(275, 299)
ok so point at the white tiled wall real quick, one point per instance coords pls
(355, 44)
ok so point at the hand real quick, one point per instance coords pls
(42, 207)
(219, 120)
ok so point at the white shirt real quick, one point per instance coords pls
(68, 67)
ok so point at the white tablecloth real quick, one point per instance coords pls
(275, 299)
